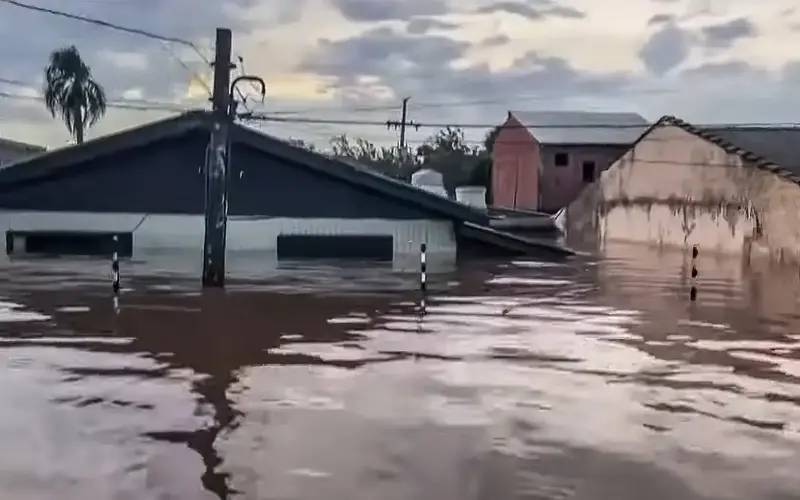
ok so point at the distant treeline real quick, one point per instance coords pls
(446, 151)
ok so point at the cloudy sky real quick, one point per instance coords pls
(461, 61)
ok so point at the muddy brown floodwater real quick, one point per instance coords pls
(586, 379)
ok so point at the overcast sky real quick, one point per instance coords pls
(707, 61)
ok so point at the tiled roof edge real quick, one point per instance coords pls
(758, 161)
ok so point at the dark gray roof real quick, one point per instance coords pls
(780, 145)
(21, 146)
(774, 149)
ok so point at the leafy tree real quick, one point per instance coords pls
(448, 153)
(71, 93)
(491, 138)
(300, 143)
(393, 162)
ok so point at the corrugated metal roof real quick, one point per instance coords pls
(779, 145)
(582, 127)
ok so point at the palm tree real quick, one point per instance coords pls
(71, 92)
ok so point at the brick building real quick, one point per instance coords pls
(542, 160)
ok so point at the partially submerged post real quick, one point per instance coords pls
(423, 268)
(115, 266)
(423, 276)
(695, 274)
(216, 168)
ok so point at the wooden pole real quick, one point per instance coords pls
(216, 167)
(403, 125)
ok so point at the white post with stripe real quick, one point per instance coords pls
(115, 266)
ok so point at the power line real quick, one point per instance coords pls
(106, 24)
(185, 66)
(124, 100)
(17, 83)
(446, 104)
(355, 109)
(612, 126)
(119, 104)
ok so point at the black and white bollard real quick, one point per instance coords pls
(423, 268)
(423, 277)
(695, 274)
(115, 266)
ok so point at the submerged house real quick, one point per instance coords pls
(11, 151)
(542, 160)
(147, 186)
(728, 190)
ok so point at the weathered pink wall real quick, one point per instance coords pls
(674, 189)
(515, 168)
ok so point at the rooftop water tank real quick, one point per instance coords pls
(429, 180)
(474, 196)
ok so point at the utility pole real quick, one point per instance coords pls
(403, 124)
(216, 167)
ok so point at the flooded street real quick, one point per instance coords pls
(585, 379)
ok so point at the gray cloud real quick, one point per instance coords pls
(661, 19)
(495, 41)
(382, 50)
(726, 34)
(723, 71)
(162, 77)
(791, 73)
(422, 67)
(422, 25)
(382, 10)
(666, 49)
(545, 9)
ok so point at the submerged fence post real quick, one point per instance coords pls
(423, 277)
(423, 268)
(695, 274)
(115, 266)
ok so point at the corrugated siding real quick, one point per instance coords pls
(247, 234)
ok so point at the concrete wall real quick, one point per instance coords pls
(559, 186)
(247, 236)
(675, 189)
(515, 168)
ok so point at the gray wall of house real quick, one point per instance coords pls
(249, 239)
(675, 189)
(559, 185)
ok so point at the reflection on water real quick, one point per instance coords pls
(583, 379)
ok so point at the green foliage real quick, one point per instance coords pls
(491, 137)
(446, 152)
(393, 162)
(300, 143)
(71, 93)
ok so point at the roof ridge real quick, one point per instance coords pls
(729, 147)
(20, 144)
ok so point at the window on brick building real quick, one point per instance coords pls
(562, 159)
